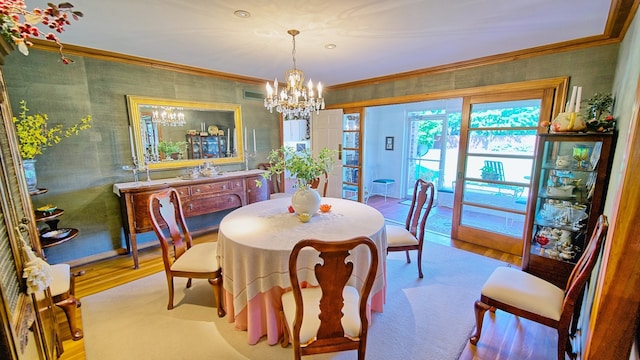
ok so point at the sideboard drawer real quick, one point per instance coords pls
(183, 191)
(210, 188)
(203, 205)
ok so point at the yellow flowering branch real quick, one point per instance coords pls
(34, 135)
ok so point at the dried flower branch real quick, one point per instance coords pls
(18, 25)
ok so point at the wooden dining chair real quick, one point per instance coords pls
(63, 294)
(198, 261)
(525, 295)
(274, 180)
(411, 236)
(333, 316)
(315, 184)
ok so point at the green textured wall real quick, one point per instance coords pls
(80, 171)
(591, 68)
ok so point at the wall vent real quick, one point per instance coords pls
(253, 95)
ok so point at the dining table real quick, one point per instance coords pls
(254, 245)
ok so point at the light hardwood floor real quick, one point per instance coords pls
(503, 337)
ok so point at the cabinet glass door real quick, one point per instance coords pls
(568, 176)
(351, 151)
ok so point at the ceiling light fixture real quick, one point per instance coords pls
(242, 13)
(294, 100)
(168, 117)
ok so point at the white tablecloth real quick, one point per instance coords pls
(254, 243)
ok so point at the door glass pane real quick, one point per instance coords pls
(433, 138)
(499, 162)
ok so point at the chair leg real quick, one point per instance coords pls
(170, 285)
(408, 257)
(480, 309)
(285, 331)
(420, 264)
(216, 283)
(69, 306)
(563, 339)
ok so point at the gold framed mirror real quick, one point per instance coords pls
(169, 134)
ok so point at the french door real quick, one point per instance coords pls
(497, 148)
(429, 156)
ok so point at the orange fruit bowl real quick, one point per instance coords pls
(325, 208)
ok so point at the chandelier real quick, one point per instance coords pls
(294, 100)
(169, 116)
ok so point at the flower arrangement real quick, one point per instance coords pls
(34, 135)
(18, 25)
(598, 113)
(301, 165)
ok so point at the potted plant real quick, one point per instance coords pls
(35, 135)
(599, 113)
(171, 149)
(304, 168)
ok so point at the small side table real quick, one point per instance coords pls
(386, 183)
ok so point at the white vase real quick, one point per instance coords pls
(29, 167)
(306, 200)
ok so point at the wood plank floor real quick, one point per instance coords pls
(503, 337)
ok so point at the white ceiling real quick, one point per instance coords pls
(372, 38)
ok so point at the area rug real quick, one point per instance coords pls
(428, 318)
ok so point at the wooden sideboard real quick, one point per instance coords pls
(199, 196)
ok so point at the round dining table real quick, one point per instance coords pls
(254, 244)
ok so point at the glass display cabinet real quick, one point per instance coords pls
(568, 193)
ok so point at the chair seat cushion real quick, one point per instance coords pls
(525, 291)
(310, 322)
(200, 258)
(399, 236)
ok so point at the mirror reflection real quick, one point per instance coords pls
(172, 134)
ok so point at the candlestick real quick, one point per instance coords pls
(228, 139)
(254, 141)
(578, 97)
(235, 140)
(573, 99)
(133, 151)
(244, 145)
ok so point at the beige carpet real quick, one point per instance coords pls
(428, 318)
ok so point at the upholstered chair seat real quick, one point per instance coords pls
(399, 236)
(518, 288)
(200, 258)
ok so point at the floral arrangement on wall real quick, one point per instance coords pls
(19, 24)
